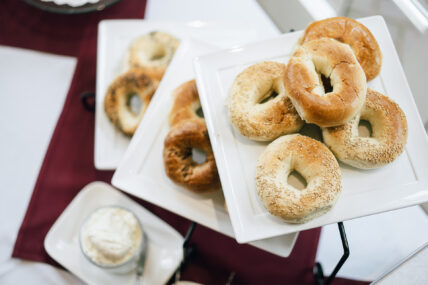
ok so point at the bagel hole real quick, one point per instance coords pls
(199, 156)
(270, 95)
(296, 180)
(134, 103)
(365, 129)
(312, 131)
(326, 82)
(199, 112)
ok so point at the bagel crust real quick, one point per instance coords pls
(304, 86)
(388, 139)
(178, 162)
(116, 102)
(314, 161)
(254, 119)
(186, 104)
(153, 52)
(353, 33)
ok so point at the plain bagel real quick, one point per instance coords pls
(314, 161)
(153, 52)
(389, 134)
(303, 82)
(353, 33)
(186, 105)
(258, 105)
(178, 161)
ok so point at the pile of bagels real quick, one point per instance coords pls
(324, 83)
(147, 59)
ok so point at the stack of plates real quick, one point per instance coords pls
(215, 54)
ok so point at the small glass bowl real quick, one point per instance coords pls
(125, 266)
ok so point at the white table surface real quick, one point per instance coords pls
(29, 114)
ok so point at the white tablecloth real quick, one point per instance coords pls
(34, 86)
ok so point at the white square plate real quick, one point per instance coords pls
(114, 38)
(141, 172)
(62, 241)
(365, 192)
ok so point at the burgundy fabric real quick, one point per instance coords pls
(68, 164)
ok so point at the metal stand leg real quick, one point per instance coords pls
(88, 101)
(318, 271)
(188, 250)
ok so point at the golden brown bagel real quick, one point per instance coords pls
(153, 52)
(117, 100)
(314, 161)
(335, 61)
(353, 33)
(388, 139)
(178, 162)
(254, 118)
(186, 104)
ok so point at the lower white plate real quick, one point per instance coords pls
(62, 241)
(141, 171)
(114, 38)
(399, 184)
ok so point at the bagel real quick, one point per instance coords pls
(353, 33)
(314, 161)
(178, 162)
(186, 105)
(117, 100)
(388, 139)
(153, 52)
(303, 82)
(254, 118)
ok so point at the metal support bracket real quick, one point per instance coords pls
(318, 271)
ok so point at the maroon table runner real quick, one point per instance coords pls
(68, 164)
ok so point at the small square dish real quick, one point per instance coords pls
(62, 241)
(399, 184)
(114, 38)
(142, 174)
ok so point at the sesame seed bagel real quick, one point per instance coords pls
(314, 161)
(186, 105)
(178, 161)
(117, 100)
(353, 33)
(153, 52)
(388, 139)
(303, 82)
(251, 111)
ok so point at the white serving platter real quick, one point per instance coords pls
(114, 38)
(62, 241)
(365, 192)
(141, 171)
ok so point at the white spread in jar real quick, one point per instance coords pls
(111, 236)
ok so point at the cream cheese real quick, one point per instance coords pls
(111, 236)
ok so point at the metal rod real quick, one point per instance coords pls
(345, 255)
(187, 251)
(188, 235)
(85, 97)
(318, 270)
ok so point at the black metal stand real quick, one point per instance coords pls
(188, 250)
(88, 101)
(318, 271)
